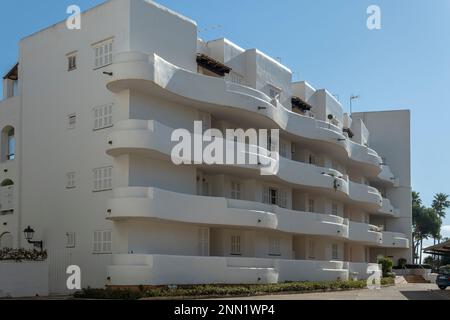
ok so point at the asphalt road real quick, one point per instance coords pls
(399, 292)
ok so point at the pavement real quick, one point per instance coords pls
(416, 291)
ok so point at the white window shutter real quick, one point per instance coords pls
(282, 199)
(7, 198)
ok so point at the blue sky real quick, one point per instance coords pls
(405, 65)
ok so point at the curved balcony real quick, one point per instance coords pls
(365, 194)
(386, 176)
(365, 233)
(136, 270)
(395, 240)
(388, 209)
(153, 138)
(151, 73)
(150, 203)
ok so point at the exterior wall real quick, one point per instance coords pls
(389, 134)
(49, 150)
(10, 112)
(27, 279)
(187, 229)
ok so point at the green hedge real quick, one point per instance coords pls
(224, 291)
(19, 255)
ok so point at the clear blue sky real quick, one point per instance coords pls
(406, 65)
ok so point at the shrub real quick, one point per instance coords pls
(224, 291)
(386, 265)
(19, 255)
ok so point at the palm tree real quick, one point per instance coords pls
(440, 204)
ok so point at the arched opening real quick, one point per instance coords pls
(8, 143)
(7, 197)
(6, 241)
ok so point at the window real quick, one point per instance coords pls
(311, 249)
(311, 205)
(71, 62)
(312, 159)
(6, 241)
(335, 252)
(102, 241)
(70, 240)
(236, 190)
(7, 197)
(236, 78)
(203, 242)
(71, 121)
(8, 144)
(103, 53)
(275, 197)
(103, 117)
(70, 180)
(334, 209)
(274, 246)
(274, 92)
(283, 149)
(236, 245)
(103, 178)
(282, 199)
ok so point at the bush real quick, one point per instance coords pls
(19, 255)
(223, 291)
(386, 265)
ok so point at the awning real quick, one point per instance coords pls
(212, 65)
(442, 249)
(13, 74)
(300, 104)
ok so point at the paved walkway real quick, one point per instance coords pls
(399, 292)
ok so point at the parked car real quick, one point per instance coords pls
(443, 279)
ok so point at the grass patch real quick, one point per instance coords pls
(200, 291)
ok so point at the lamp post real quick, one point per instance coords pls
(29, 234)
(353, 97)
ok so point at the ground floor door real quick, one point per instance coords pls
(59, 260)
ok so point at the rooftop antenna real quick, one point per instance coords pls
(210, 28)
(337, 97)
(353, 97)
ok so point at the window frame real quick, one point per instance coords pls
(236, 190)
(274, 246)
(70, 117)
(70, 236)
(100, 46)
(334, 251)
(72, 62)
(100, 181)
(100, 115)
(236, 245)
(99, 242)
(71, 180)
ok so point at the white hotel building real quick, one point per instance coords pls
(86, 123)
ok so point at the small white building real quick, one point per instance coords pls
(86, 122)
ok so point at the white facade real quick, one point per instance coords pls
(92, 172)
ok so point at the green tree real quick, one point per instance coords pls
(426, 224)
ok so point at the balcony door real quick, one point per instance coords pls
(203, 242)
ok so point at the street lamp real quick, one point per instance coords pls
(352, 97)
(29, 234)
